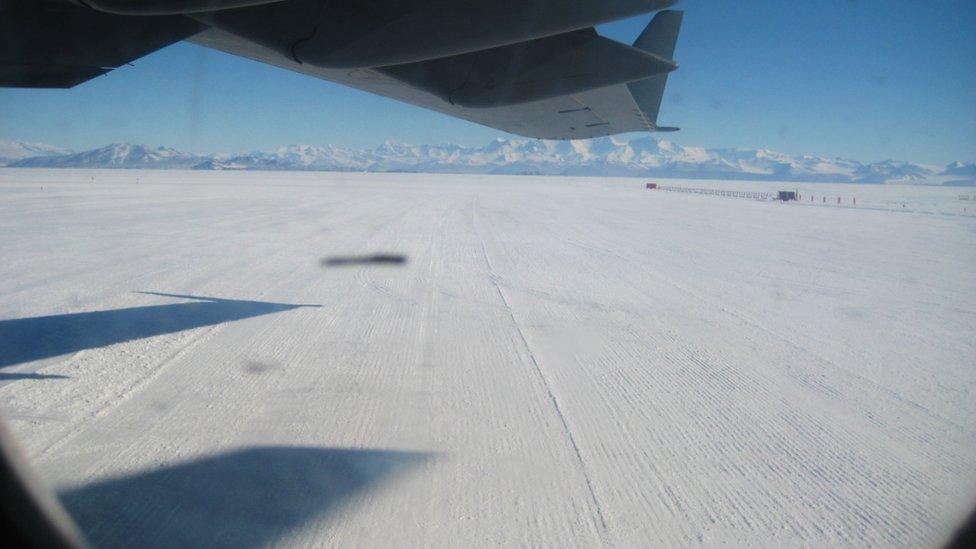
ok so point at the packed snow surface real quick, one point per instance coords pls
(243, 359)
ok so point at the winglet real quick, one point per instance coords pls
(661, 34)
(659, 38)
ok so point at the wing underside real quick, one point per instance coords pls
(563, 82)
(588, 113)
(62, 46)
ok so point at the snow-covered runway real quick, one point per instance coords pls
(201, 358)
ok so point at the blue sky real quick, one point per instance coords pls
(862, 79)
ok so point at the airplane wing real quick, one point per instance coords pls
(61, 46)
(537, 68)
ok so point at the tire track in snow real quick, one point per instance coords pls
(601, 522)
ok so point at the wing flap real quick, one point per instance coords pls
(529, 71)
(591, 113)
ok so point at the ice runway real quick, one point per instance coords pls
(245, 359)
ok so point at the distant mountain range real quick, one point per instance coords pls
(606, 156)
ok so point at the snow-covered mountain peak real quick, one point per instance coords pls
(960, 169)
(13, 151)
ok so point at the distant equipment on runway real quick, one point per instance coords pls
(782, 196)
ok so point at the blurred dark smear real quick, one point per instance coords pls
(879, 79)
(966, 534)
(374, 259)
(255, 367)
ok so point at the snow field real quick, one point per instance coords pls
(561, 361)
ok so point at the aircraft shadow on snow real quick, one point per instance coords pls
(28, 339)
(244, 498)
(372, 259)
